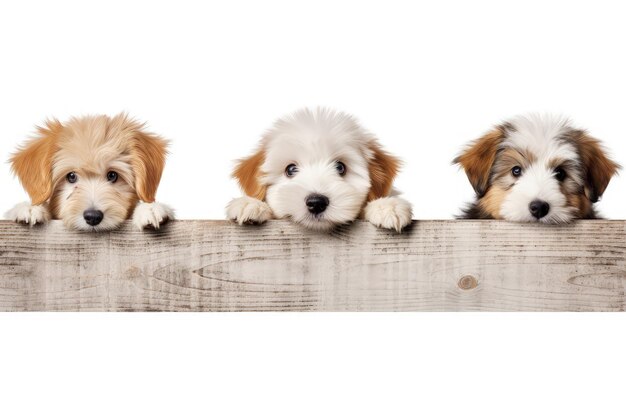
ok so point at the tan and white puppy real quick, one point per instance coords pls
(536, 168)
(320, 169)
(93, 173)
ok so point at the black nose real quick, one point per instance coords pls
(539, 208)
(317, 203)
(93, 217)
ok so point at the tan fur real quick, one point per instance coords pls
(33, 163)
(511, 157)
(248, 173)
(478, 159)
(148, 153)
(580, 202)
(383, 169)
(599, 169)
(492, 201)
(500, 179)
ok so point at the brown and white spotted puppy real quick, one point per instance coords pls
(536, 168)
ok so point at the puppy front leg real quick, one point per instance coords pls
(29, 214)
(248, 210)
(151, 214)
(389, 213)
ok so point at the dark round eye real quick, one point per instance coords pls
(560, 174)
(291, 170)
(72, 177)
(516, 171)
(341, 168)
(111, 176)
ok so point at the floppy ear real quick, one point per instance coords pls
(597, 166)
(148, 152)
(248, 173)
(32, 163)
(383, 169)
(478, 159)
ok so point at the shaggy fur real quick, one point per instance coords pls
(102, 164)
(323, 153)
(536, 160)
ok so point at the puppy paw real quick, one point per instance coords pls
(389, 213)
(151, 214)
(28, 214)
(248, 210)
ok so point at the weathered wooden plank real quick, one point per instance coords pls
(219, 266)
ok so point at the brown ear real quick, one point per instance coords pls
(383, 169)
(478, 159)
(248, 173)
(33, 163)
(598, 168)
(148, 152)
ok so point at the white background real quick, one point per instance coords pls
(212, 76)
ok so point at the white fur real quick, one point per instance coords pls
(29, 214)
(151, 214)
(537, 183)
(539, 134)
(248, 210)
(315, 141)
(389, 213)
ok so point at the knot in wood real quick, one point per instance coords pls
(468, 282)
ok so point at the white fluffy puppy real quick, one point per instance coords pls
(320, 169)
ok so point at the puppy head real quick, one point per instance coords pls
(318, 168)
(92, 170)
(537, 168)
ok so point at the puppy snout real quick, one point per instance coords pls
(93, 217)
(539, 208)
(317, 203)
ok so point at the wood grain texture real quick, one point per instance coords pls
(219, 266)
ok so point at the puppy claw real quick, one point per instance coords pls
(247, 210)
(389, 213)
(28, 214)
(151, 214)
